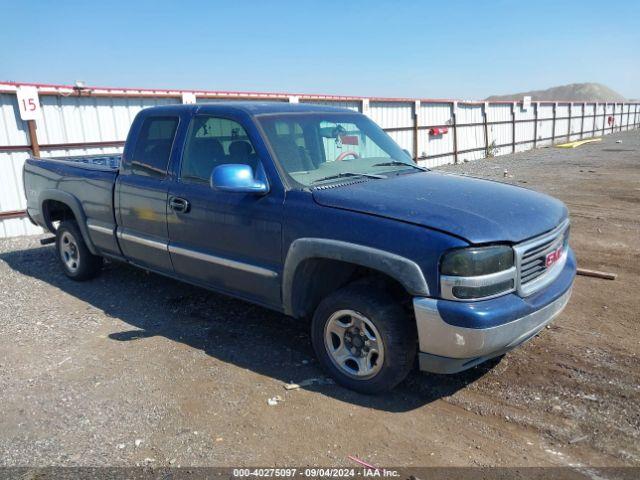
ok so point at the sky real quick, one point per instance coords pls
(422, 49)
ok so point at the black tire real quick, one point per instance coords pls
(396, 329)
(80, 264)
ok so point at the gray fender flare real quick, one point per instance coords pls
(402, 269)
(74, 204)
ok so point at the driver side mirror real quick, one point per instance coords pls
(239, 178)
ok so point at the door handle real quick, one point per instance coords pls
(178, 204)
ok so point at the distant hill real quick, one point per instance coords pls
(576, 92)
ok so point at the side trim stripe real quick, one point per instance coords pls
(142, 241)
(225, 262)
(99, 228)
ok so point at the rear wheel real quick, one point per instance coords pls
(77, 261)
(364, 339)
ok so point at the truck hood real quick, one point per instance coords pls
(476, 210)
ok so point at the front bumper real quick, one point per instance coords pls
(455, 336)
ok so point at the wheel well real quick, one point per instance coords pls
(316, 278)
(55, 211)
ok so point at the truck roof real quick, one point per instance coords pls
(252, 108)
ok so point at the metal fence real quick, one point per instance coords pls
(92, 120)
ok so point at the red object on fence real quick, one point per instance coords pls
(350, 139)
(610, 120)
(439, 130)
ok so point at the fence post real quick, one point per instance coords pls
(621, 116)
(485, 105)
(569, 122)
(613, 116)
(604, 117)
(628, 115)
(416, 110)
(364, 106)
(553, 124)
(535, 125)
(454, 108)
(584, 107)
(513, 127)
(595, 114)
(33, 137)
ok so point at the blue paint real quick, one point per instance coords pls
(412, 214)
(479, 211)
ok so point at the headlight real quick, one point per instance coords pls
(477, 273)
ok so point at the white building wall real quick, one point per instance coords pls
(71, 123)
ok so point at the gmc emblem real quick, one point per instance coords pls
(553, 257)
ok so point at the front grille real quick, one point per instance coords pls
(533, 274)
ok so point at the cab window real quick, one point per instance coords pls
(341, 140)
(317, 147)
(153, 148)
(213, 141)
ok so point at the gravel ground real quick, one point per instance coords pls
(136, 369)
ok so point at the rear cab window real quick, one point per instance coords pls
(153, 147)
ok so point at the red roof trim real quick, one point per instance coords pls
(266, 95)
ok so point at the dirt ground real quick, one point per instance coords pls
(136, 369)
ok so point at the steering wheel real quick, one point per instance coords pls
(344, 155)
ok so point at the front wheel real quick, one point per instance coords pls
(364, 339)
(77, 261)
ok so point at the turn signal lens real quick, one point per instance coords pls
(468, 293)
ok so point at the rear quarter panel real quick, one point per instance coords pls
(91, 187)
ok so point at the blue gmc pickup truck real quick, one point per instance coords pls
(315, 212)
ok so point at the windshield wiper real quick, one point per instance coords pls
(348, 174)
(398, 162)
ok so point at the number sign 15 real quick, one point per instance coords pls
(28, 103)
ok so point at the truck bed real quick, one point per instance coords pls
(94, 162)
(86, 181)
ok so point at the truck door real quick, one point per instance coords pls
(225, 240)
(141, 193)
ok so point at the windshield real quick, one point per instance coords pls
(314, 148)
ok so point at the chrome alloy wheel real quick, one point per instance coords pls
(69, 252)
(354, 344)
